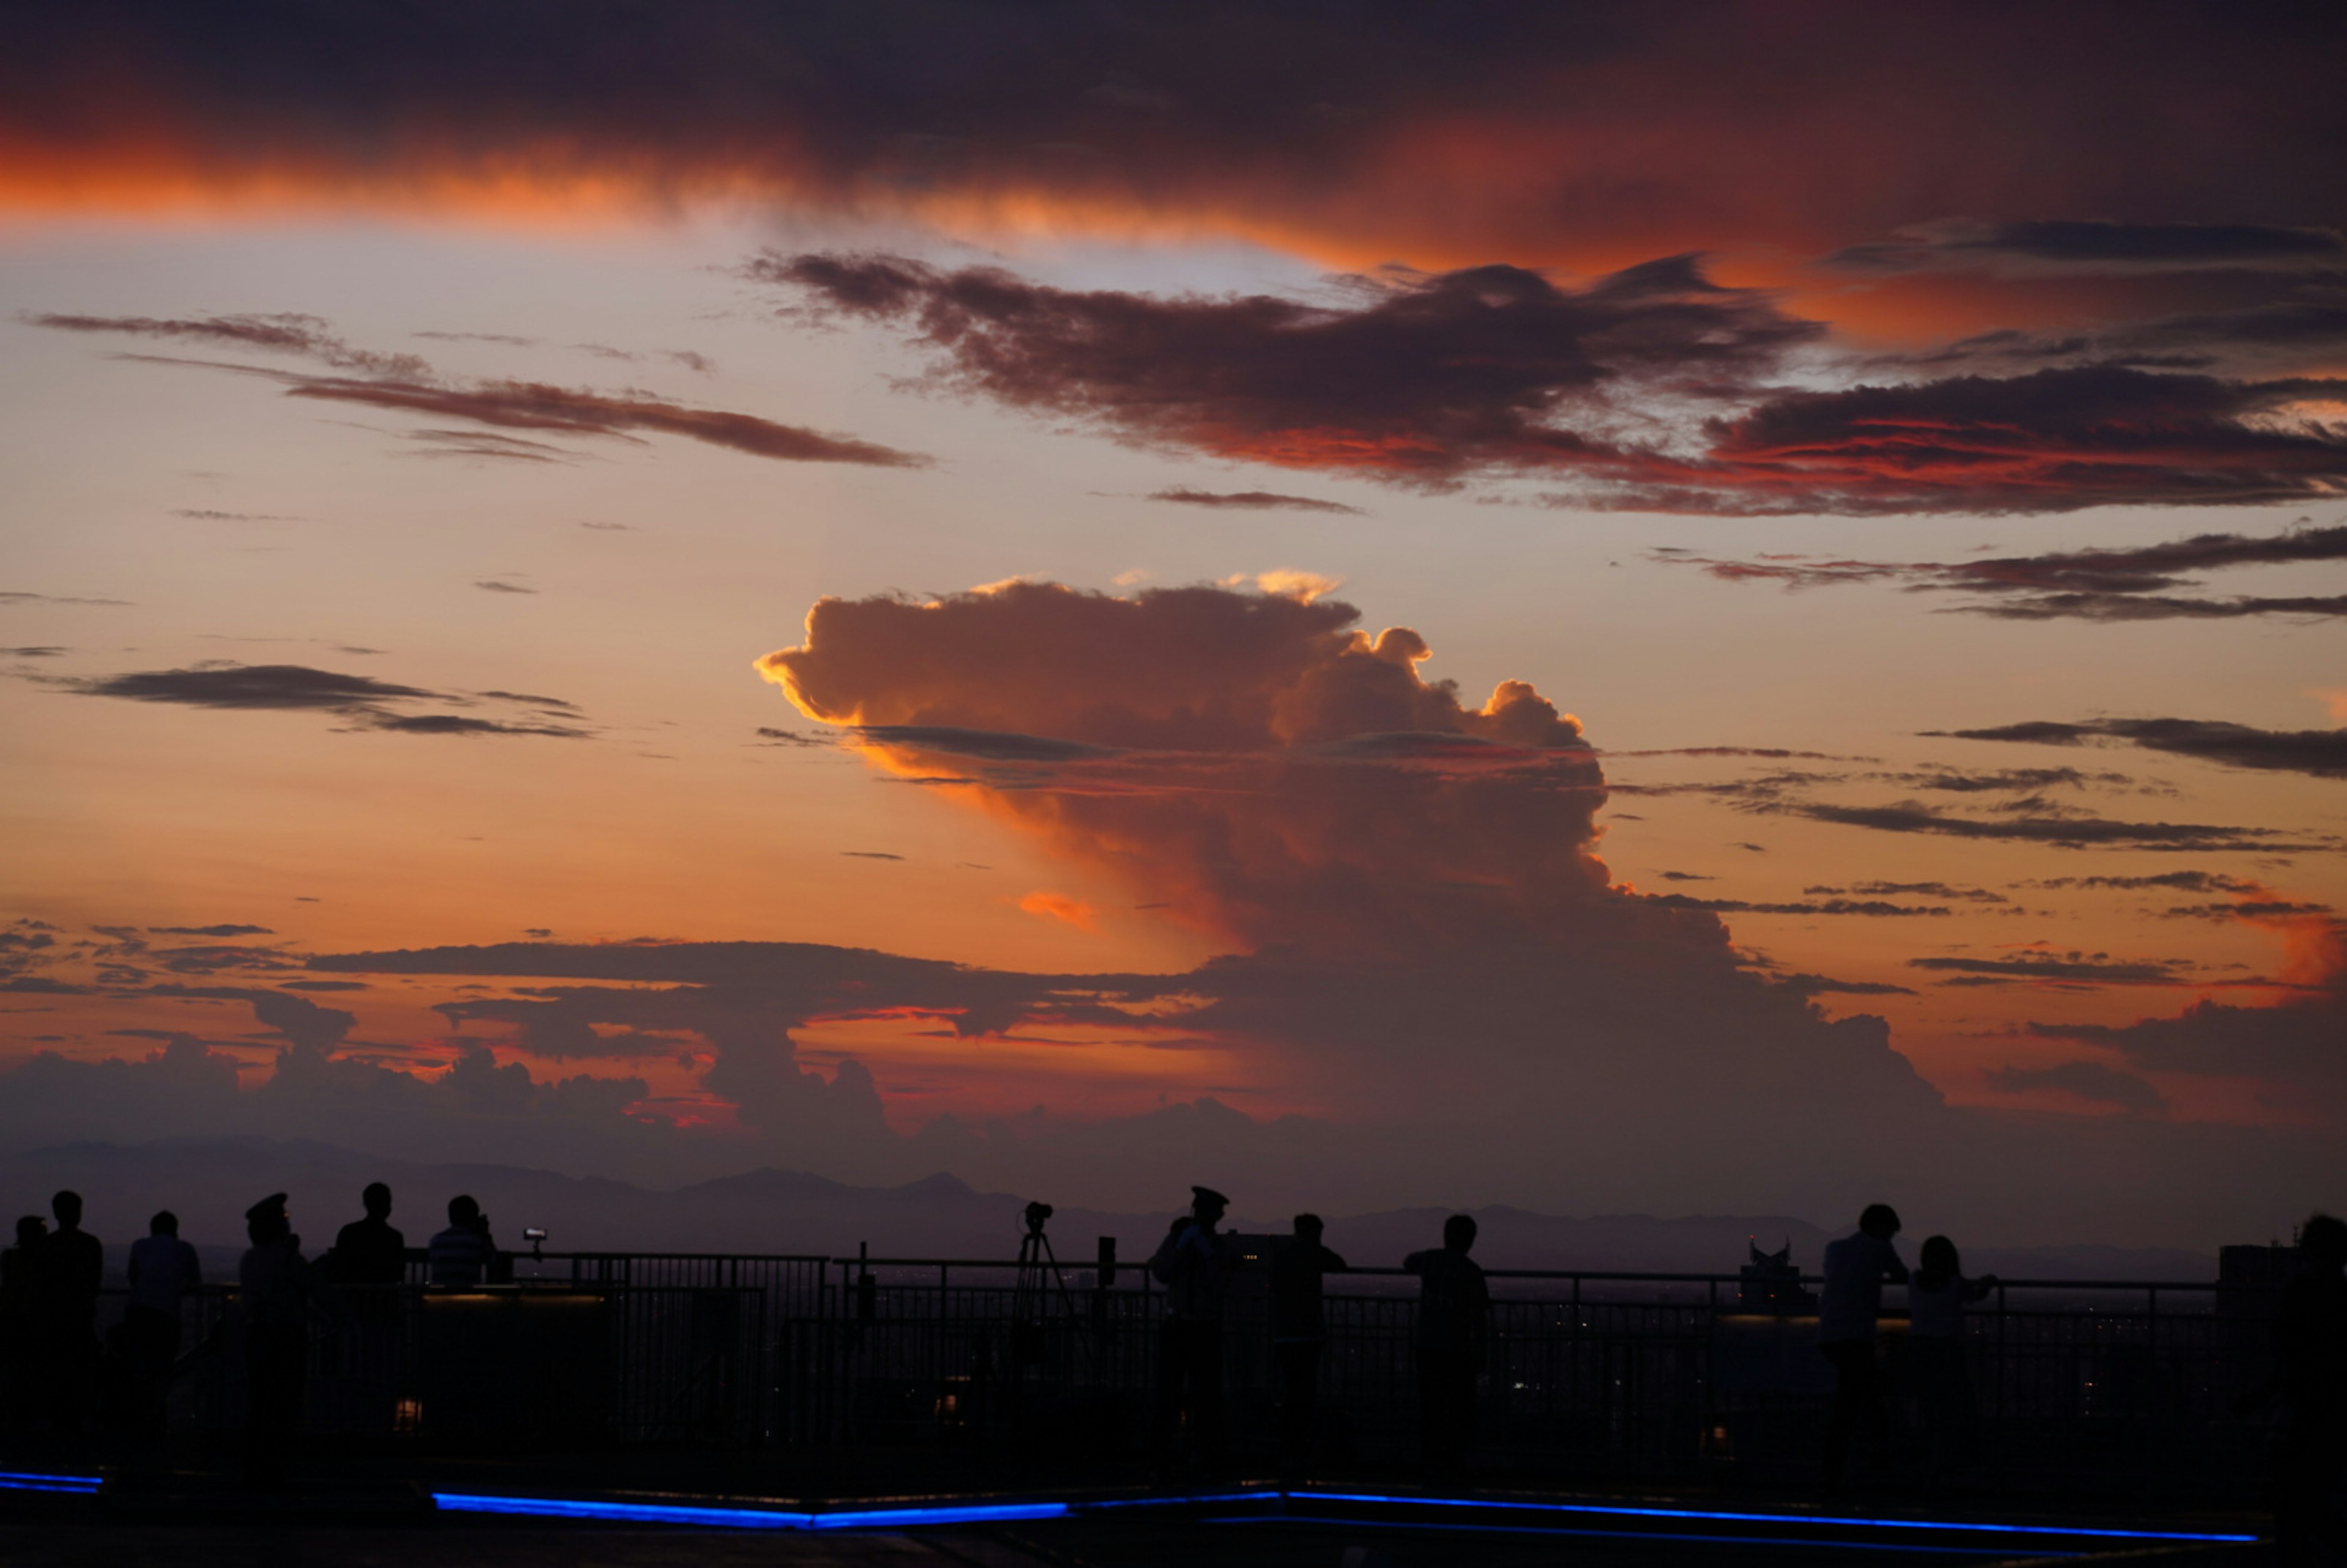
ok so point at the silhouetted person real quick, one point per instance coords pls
(1937, 1294)
(463, 1254)
(74, 1266)
(1856, 1268)
(371, 1254)
(1451, 1338)
(276, 1291)
(24, 1312)
(1299, 1331)
(1195, 1264)
(368, 1262)
(2310, 1375)
(163, 1269)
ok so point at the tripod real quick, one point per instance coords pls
(1039, 1280)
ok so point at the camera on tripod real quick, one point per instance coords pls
(1036, 1215)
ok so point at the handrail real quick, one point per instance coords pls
(1083, 1265)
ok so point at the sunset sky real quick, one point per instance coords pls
(1671, 608)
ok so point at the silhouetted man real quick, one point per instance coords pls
(1299, 1331)
(2311, 1374)
(369, 1264)
(74, 1266)
(1195, 1264)
(371, 1253)
(163, 1269)
(1452, 1336)
(463, 1254)
(1857, 1266)
(275, 1288)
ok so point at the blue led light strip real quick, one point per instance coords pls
(1591, 1535)
(1812, 1520)
(26, 1480)
(752, 1518)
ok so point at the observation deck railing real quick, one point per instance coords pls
(2086, 1386)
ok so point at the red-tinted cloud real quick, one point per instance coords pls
(1650, 388)
(1594, 133)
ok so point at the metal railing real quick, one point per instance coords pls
(2091, 1385)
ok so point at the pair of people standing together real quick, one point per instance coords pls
(1196, 1262)
(1857, 1267)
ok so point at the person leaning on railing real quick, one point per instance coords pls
(463, 1254)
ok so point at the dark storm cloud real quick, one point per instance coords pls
(2054, 441)
(2094, 1081)
(2061, 832)
(2320, 752)
(1251, 501)
(1383, 128)
(1430, 380)
(1416, 379)
(361, 699)
(2120, 584)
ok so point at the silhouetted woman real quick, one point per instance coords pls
(1937, 1294)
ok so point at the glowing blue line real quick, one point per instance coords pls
(752, 1518)
(28, 1481)
(641, 1512)
(1617, 1534)
(1808, 1519)
(961, 1514)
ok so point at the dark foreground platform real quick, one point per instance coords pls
(189, 1520)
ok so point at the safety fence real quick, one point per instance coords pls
(2085, 1386)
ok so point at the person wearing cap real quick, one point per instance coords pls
(276, 1291)
(1194, 1263)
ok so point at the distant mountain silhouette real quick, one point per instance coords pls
(209, 1181)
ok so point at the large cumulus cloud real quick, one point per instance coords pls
(1408, 880)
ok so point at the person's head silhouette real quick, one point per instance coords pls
(66, 1206)
(31, 1229)
(1307, 1228)
(2322, 1242)
(1879, 1221)
(266, 1221)
(164, 1223)
(1208, 1207)
(376, 1200)
(1939, 1262)
(464, 1211)
(1459, 1233)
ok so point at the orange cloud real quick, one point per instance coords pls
(1060, 907)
